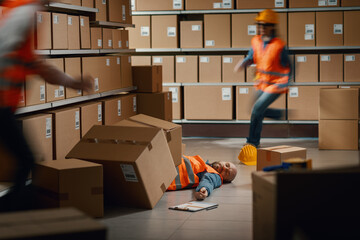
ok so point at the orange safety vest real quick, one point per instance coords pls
(187, 172)
(17, 64)
(271, 76)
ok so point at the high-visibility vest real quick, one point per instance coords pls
(187, 172)
(271, 76)
(15, 66)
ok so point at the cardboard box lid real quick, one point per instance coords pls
(68, 164)
(282, 149)
(155, 122)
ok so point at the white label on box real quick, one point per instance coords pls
(56, 93)
(344, 86)
(204, 59)
(79, 92)
(61, 91)
(48, 128)
(82, 22)
(322, 2)
(309, 36)
(301, 59)
(145, 31)
(175, 97)
(180, 59)
(158, 59)
(104, 2)
(228, 60)
(210, 43)
(99, 113)
(226, 94)
(108, 62)
(325, 58)
(243, 90)
(217, 5)
(338, 29)
(123, 12)
(171, 31)
(56, 19)
(39, 18)
(350, 58)
(293, 92)
(129, 173)
(110, 43)
(134, 104)
(69, 20)
(133, 6)
(129, 59)
(252, 30)
(119, 44)
(77, 120)
(118, 61)
(96, 83)
(99, 42)
(119, 108)
(226, 4)
(279, 3)
(310, 28)
(332, 2)
(177, 4)
(127, 43)
(195, 28)
(42, 93)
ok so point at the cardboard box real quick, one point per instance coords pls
(173, 132)
(176, 101)
(339, 134)
(66, 129)
(140, 165)
(273, 156)
(164, 31)
(35, 90)
(59, 31)
(147, 78)
(217, 31)
(140, 61)
(119, 11)
(350, 3)
(73, 68)
(168, 67)
(85, 32)
(91, 67)
(313, 3)
(126, 72)
(339, 104)
(21, 102)
(125, 38)
(119, 108)
(115, 78)
(245, 97)
(72, 2)
(186, 69)
(209, 4)
(228, 64)
(107, 38)
(58, 186)
(55, 92)
(351, 33)
(331, 67)
(102, 6)
(351, 67)
(158, 105)
(329, 28)
(87, 3)
(43, 30)
(96, 38)
(73, 32)
(105, 83)
(302, 29)
(245, 4)
(243, 29)
(191, 34)
(306, 68)
(282, 27)
(208, 102)
(67, 223)
(210, 69)
(90, 114)
(117, 39)
(140, 35)
(158, 5)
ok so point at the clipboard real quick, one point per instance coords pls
(195, 206)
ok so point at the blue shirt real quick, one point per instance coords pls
(210, 181)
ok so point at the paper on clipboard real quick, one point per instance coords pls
(195, 206)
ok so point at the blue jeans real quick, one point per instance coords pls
(259, 112)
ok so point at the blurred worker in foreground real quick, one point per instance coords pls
(17, 60)
(273, 69)
(194, 172)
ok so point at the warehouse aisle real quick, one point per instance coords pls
(233, 218)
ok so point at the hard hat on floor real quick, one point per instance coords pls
(248, 155)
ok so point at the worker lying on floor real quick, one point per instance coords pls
(194, 172)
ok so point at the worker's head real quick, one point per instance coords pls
(227, 170)
(266, 22)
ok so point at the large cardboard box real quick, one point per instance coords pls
(306, 68)
(59, 31)
(273, 156)
(139, 165)
(140, 35)
(107, 38)
(147, 78)
(173, 132)
(176, 101)
(102, 6)
(125, 39)
(351, 33)
(43, 30)
(119, 108)
(67, 223)
(168, 67)
(191, 34)
(313, 3)
(228, 64)
(209, 4)
(217, 31)
(339, 134)
(302, 29)
(329, 28)
(66, 129)
(350, 3)
(243, 29)
(339, 104)
(73, 68)
(96, 38)
(55, 92)
(140, 61)
(209, 69)
(208, 102)
(331, 67)
(58, 185)
(85, 32)
(115, 72)
(157, 5)
(73, 32)
(126, 72)
(158, 105)
(186, 69)
(117, 39)
(164, 31)
(245, 4)
(106, 67)
(351, 67)
(282, 27)
(91, 67)
(90, 114)
(35, 90)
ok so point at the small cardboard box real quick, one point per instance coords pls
(302, 29)
(85, 32)
(186, 68)
(245, 4)
(125, 39)
(107, 38)
(350, 3)
(139, 164)
(176, 101)
(330, 28)
(119, 108)
(210, 69)
(96, 38)
(126, 72)
(87, 3)
(331, 67)
(157, 5)
(313, 3)
(59, 31)
(58, 185)
(140, 35)
(147, 78)
(43, 30)
(168, 67)
(228, 64)
(158, 105)
(243, 29)
(306, 68)
(73, 68)
(164, 31)
(55, 92)
(73, 32)
(72, 2)
(140, 61)
(351, 67)
(91, 114)
(191, 34)
(117, 39)
(351, 33)
(91, 67)
(276, 155)
(101, 15)
(35, 88)
(173, 132)
(217, 31)
(209, 4)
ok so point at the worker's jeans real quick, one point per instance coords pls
(259, 112)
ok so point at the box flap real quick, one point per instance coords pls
(68, 164)
(283, 149)
(129, 123)
(155, 122)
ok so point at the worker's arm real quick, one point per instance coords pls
(246, 62)
(207, 184)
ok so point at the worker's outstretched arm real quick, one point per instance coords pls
(208, 182)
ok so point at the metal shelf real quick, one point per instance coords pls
(69, 7)
(325, 84)
(33, 108)
(155, 50)
(214, 49)
(42, 52)
(172, 84)
(251, 84)
(142, 13)
(321, 9)
(217, 84)
(116, 50)
(74, 52)
(75, 100)
(110, 24)
(303, 122)
(114, 92)
(326, 48)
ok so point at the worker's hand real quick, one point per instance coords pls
(202, 194)
(238, 68)
(88, 84)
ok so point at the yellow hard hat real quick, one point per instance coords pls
(267, 16)
(248, 155)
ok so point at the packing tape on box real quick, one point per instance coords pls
(163, 188)
(51, 194)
